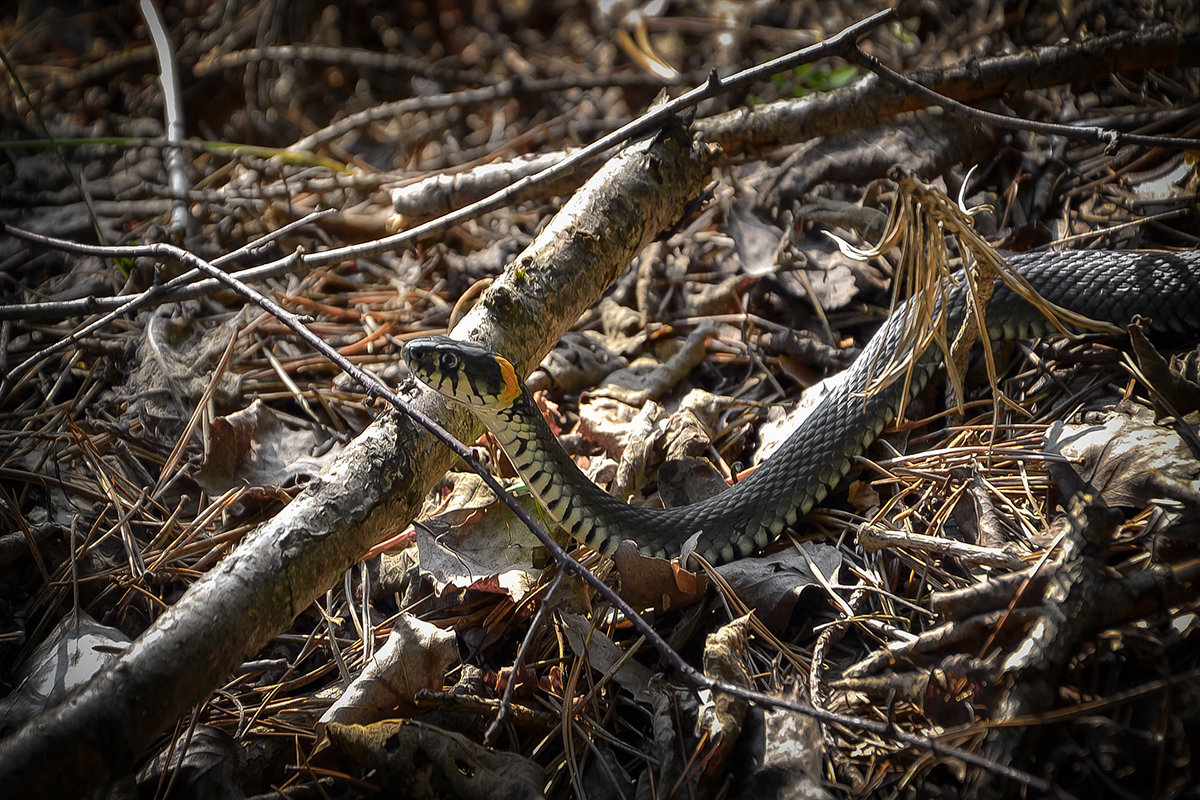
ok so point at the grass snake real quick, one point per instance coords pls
(1105, 286)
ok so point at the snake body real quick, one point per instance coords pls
(1105, 286)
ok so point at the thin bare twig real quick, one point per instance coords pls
(1106, 136)
(168, 75)
(133, 302)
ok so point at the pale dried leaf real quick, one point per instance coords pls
(827, 274)
(612, 424)
(415, 657)
(1114, 456)
(77, 649)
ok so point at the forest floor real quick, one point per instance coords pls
(285, 593)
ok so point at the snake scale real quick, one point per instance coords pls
(1106, 286)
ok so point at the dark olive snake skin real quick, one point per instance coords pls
(1106, 286)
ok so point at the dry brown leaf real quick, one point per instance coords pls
(649, 582)
(756, 240)
(771, 584)
(1115, 456)
(485, 548)
(415, 656)
(203, 763)
(1168, 379)
(605, 655)
(258, 446)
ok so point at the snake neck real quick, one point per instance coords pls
(570, 497)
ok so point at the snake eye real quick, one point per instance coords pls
(450, 362)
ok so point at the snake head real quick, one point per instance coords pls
(466, 372)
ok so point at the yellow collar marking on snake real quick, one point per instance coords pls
(512, 384)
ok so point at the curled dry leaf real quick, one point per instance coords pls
(415, 656)
(642, 439)
(613, 425)
(1117, 456)
(725, 659)
(823, 276)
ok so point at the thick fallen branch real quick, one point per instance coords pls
(374, 488)
(745, 132)
(748, 131)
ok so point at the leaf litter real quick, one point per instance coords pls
(966, 512)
